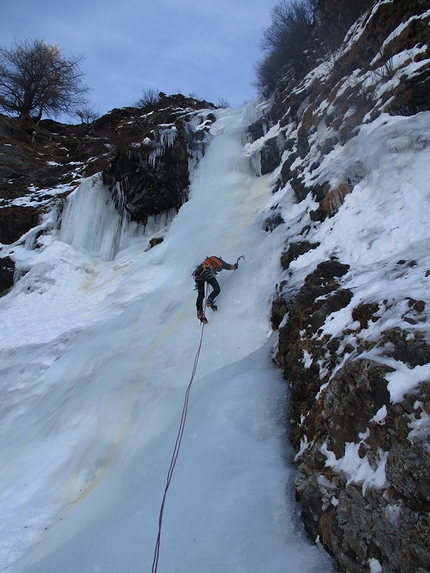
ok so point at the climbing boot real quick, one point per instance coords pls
(201, 317)
(211, 304)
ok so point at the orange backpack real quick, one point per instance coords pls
(212, 263)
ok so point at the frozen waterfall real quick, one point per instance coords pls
(96, 357)
(92, 223)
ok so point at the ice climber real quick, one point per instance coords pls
(205, 273)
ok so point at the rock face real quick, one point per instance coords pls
(140, 151)
(15, 221)
(363, 473)
(7, 271)
(353, 84)
(144, 156)
(151, 177)
(319, 297)
(39, 166)
(146, 187)
(363, 469)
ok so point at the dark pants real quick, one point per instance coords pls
(200, 283)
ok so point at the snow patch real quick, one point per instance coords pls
(357, 469)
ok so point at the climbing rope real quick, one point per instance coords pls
(176, 449)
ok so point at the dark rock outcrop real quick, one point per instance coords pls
(152, 177)
(15, 221)
(146, 188)
(7, 272)
(363, 476)
(270, 155)
(294, 251)
(319, 297)
(375, 505)
(272, 222)
(258, 129)
(144, 154)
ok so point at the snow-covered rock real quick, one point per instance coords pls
(351, 191)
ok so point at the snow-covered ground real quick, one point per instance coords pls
(96, 356)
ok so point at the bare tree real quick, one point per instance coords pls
(87, 114)
(302, 31)
(223, 103)
(284, 41)
(149, 97)
(35, 78)
(291, 20)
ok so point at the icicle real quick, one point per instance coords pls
(255, 158)
(156, 223)
(165, 138)
(92, 223)
(168, 136)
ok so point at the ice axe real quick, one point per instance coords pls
(238, 259)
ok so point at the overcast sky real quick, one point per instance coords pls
(207, 48)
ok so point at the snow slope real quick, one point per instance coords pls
(95, 359)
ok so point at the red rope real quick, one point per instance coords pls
(176, 452)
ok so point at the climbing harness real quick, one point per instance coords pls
(176, 449)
